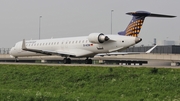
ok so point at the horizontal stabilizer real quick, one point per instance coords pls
(148, 14)
(161, 15)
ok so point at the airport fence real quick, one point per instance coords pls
(4, 50)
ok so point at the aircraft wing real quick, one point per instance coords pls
(46, 52)
(72, 53)
(126, 53)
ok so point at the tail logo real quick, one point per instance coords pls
(134, 28)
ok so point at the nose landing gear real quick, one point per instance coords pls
(16, 59)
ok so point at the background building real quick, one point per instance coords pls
(167, 49)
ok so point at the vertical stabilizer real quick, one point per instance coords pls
(135, 25)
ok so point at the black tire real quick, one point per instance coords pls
(67, 61)
(16, 60)
(88, 61)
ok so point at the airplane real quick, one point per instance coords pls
(86, 46)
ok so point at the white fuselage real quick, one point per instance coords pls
(79, 46)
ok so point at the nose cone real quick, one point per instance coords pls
(137, 40)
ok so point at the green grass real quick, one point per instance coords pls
(63, 83)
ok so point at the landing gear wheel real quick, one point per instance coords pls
(67, 61)
(88, 61)
(16, 59)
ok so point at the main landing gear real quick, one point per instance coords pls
(68, 61)
(88, 61)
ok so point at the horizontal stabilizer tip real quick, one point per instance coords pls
(161, 15)
(148, 14)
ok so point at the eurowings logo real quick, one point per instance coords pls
(134, 28)
(87, 45)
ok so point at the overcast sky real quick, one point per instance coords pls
(19, 19)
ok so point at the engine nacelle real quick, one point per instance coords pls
(97, 38)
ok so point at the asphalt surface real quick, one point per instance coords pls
(98, 65)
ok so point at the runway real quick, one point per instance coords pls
(90, 65)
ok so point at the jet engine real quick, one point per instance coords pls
(97, 38)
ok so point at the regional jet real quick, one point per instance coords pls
(86, 46)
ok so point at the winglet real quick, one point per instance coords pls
(24, 45)
(151, 49)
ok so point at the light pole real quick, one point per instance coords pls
(40, 26)
(111, 20)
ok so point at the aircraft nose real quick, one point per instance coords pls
(137, 40)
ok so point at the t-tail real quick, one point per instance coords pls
(136, 23)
